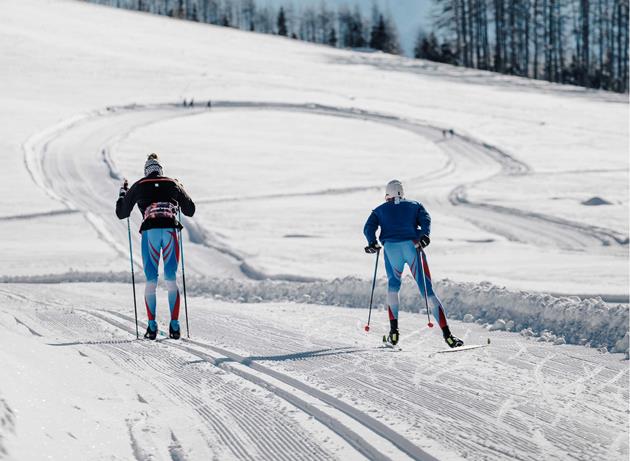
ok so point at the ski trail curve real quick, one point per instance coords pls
(72, 162)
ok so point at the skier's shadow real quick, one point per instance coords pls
(95, 343)
(284, 357)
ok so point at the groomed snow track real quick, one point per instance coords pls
(73, 163)
(265, 377)
(279, 440)
(283, 393)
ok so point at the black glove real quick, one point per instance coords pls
(123, 189)
(423, 241)
(373, 248)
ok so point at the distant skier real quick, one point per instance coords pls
(158, 199)
(405, 228)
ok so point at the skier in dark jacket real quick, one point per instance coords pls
(159, 199)
(405, 228)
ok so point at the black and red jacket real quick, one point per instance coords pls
(151, 190)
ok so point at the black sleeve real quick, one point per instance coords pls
(185, 202)
(125, 204)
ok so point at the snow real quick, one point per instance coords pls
(285, 166)
(590, 321)
(517, 398)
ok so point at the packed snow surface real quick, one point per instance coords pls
(223, 394)
(286, 149)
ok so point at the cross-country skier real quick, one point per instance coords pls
(405, 228)
(158, 199)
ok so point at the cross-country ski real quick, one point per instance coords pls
(461, 348)
(314, 230)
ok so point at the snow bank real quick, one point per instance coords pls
(574, 320)
(73, 277)
(555, 319)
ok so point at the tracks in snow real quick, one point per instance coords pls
(518, 400)
(72, 162)
(323, 407)
(241, 422)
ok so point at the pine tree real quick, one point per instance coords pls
(427, 47)
(332, 37)
(282, 23)
(378, 36)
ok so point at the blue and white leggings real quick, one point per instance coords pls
(396, 255)
(166, 241)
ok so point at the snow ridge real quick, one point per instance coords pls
(559, 319)
(578, 321)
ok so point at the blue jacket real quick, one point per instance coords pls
(405, 220)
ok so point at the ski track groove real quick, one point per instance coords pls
(246, 407)
(372, 424)
(529, 428)
(289, 441)
(451, 403)
(234, 443)
(487, 413)
(256, 431)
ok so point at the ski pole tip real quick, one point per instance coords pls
(430, 324)
(367, 328)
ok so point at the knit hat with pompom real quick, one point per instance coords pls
(152, 165)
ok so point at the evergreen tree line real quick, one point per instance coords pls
(344, 28)
(579, 42)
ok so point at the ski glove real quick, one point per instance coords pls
(372, 248)
(423, 242)
(123, 189)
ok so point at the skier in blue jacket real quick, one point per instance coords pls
(405, 228)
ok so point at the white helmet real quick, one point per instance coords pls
(394, 189)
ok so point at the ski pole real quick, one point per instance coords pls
(181, 244)
(367, 326)
(133, 279)
(424, 281)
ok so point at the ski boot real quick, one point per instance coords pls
(151, 333)
(393, 336)
(174, 333)
(451, 340)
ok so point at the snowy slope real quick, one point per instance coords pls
(557, 135)
(285, 167)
